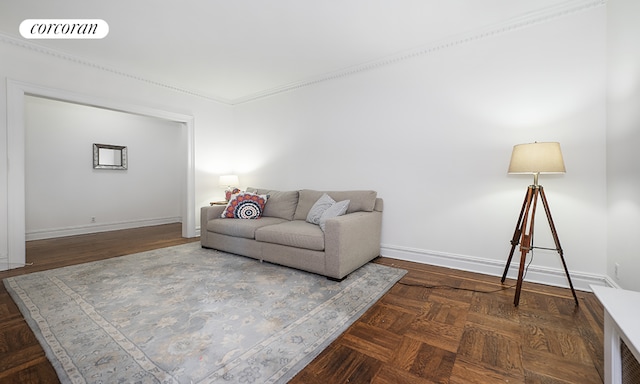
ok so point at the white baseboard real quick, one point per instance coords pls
(611, 284)
(535, 274)
(95, 228)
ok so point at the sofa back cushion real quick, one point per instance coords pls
(280, 204)
(359, 201)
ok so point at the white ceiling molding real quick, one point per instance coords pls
(530, 19)
(511, 25)
(78, 60)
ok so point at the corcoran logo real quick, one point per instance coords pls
(64, 29)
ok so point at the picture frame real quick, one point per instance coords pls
(107, 156)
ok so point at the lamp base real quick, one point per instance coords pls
(524, 237)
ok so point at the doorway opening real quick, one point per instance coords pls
(16, 92)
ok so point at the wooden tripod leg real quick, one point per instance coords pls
(527, 237)
(545, 204)
(524, 249)
(515, 240)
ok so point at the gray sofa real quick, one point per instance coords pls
(283, 236)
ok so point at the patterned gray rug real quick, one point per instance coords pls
(189, 315)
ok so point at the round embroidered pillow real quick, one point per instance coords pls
(245, 205)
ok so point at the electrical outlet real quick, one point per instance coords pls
(93, 219)
(616, 270)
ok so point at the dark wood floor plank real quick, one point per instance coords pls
(436, 334)
(541, 364)
(371, 341)
(472, 371)
(433, 363)
(387, 317)
(389, 374)
(434, 326)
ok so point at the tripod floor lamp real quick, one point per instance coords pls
(534, 158)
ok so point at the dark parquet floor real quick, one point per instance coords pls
(416, 333)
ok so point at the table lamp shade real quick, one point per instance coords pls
(229, 181)
(537, 158)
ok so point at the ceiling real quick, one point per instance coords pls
(235, 50)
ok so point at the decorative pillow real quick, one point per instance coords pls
(229, 192)
(245, 205)
(318, 208)
(335, 210)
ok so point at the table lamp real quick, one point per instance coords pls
(229, 182)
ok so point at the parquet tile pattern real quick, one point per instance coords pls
(416, 334)
(413, 334)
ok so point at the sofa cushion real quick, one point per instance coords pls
(359, 201)
(296, 233)
(245, 205)
(239, 227)
(280, 204)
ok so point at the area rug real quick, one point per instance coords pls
(190, 315)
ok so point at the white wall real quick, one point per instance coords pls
(63, 191)
(623, 141)
(433, 135)
(32, 66)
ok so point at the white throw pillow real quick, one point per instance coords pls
(335, 210)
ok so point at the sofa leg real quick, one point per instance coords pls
(336, 280)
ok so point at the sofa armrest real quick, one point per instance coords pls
(208, 213)
(351, 241)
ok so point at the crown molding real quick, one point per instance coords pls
(21, 43)
(514, 24)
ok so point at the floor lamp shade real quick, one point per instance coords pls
(537, 158)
